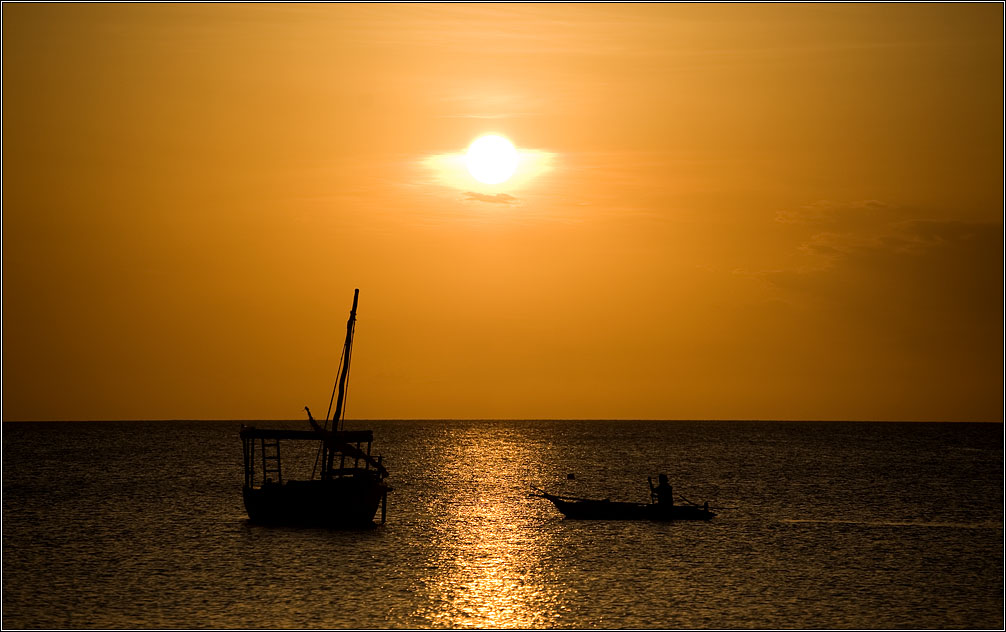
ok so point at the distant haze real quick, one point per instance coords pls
(737, 211)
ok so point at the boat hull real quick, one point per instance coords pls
(582, 509)
(347, 502)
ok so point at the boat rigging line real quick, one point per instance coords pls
(337, 415)
(340, 385)
(328, 414)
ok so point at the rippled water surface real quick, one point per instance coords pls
(837, 525)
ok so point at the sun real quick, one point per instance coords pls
(491, 159)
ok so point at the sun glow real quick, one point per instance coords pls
(491, 159)
(456, 171)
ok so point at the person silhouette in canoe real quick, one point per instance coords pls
(663, 493)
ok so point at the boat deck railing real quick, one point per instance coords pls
(262, 446)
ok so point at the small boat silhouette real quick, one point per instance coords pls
(591, 509)
(349, 486)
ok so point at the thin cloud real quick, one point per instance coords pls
(915, 267)
(499, 198)
(832, 212)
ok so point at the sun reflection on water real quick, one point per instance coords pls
(488, 569)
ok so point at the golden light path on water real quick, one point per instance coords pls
(488, 569)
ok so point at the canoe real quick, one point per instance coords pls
(587, 509)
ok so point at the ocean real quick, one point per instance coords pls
(825, 525)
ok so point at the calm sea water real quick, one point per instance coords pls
(835, 525)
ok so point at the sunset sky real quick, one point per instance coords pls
(721, 211)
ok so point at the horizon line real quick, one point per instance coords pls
(591, 419)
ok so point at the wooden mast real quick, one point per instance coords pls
(347, 353)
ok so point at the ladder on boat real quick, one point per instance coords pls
(270, 460)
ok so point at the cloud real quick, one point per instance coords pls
(837, 231)
(932, 288)
(499, 198)
(887, 310)
(927, 283)
(832, 212)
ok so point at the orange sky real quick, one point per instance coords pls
(742, 211)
